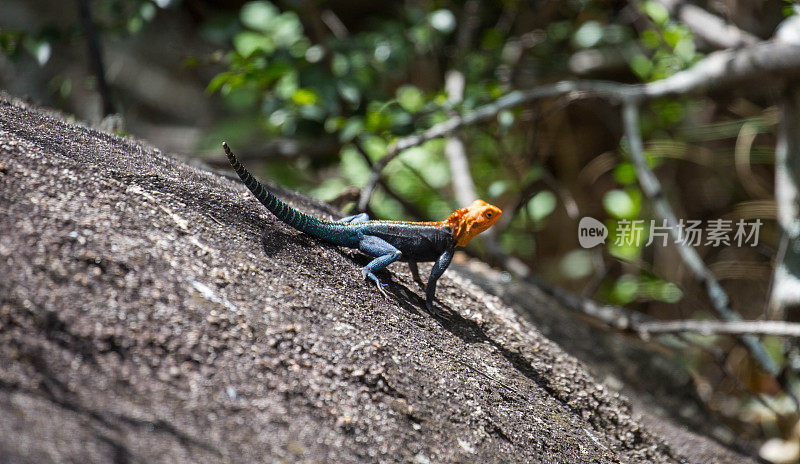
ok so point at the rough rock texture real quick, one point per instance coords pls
(154, 312)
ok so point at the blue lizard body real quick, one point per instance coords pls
(384, 241)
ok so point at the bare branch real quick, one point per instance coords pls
(764, 60)
(786, 284)
(455, 149)
(624, 319)
(652, 189)
(711, 28)
(620, 318)
(616, 317)
(334, 24)
(778, 328)
(95, 55)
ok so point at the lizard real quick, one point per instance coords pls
(384, 241)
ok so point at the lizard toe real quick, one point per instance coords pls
(378, 284)
(381, 288)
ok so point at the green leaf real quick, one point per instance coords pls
(650, 39)
(259, 15)
(351, 129)
(287, 85)
(340, 65)
(685, 50)
(621, 204)
(497, 188)
(775, 349)
(377, 121)
(248, 42)
(218, 81)
(666, 292)
(541, 205)
(334, 123)
(287, 29)
(40, 49)
(353, 166)
(147, 11)
(559, 30)
(588, 35)
(505, 118)
(625, 173)
(577, 264)
(443, 21)
(350, 93)
(410, 98)
(656, 11)
(374, 146)
(642, 66)
(673, 34)
(625, 289)
(304, 97)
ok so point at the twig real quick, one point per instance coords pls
(567, 200)
(601, 271)
(620, 318)
(722, 363)
(768, 311)
(334, 24)
(778, 328)
(720, 69)
(468, 25)
(644, 326)
(409, 207)
(95, 55)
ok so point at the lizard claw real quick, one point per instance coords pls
(380, 286)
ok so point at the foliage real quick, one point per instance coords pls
(325, 74)
(364, 90)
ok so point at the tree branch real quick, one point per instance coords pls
(786, 283)
(778, 328)
(455, 150)
(710, 28)
(764, 60)
(652, 189)
(95, 55)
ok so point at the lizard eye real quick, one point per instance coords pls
(489, 215)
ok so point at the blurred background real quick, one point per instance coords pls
(310, 93)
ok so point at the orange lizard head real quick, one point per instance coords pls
(472, 220)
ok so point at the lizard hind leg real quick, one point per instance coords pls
(355, 219)
(383, 252)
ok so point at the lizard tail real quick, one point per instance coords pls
(300, 221)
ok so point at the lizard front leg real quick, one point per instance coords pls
(436, 271)
(383, 252)
(415, 273)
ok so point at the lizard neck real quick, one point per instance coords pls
(460, 225)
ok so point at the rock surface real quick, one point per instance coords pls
(154, 312)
